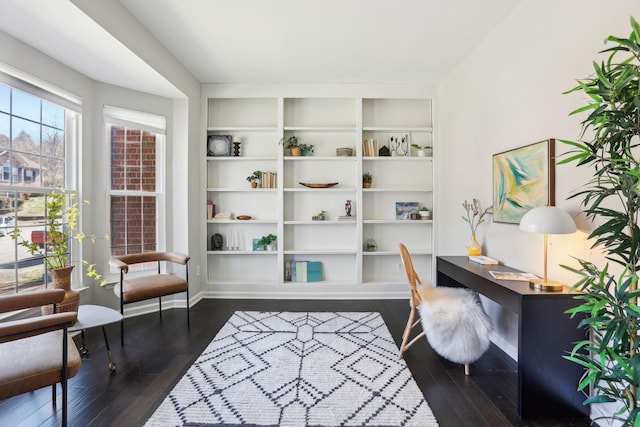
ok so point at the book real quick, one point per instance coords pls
(481, 259)
(513, 275)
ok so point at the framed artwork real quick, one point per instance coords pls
(405, 209)
(256, 245)
(219, 145)
(400, 144)
(523, 178)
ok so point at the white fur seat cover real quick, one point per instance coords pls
(455, 323)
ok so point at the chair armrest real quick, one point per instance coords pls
(177, 257)
(30, 299)
(18, 329)
(119, 264)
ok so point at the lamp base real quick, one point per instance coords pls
(545, 285)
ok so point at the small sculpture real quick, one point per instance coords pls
(347, 207)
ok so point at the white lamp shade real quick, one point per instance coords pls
(548, 220)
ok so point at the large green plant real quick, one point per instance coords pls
(608, 299)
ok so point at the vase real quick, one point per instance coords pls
(62, 280)
(296, 151)
(473, 247)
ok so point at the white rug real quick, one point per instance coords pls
(297, 369)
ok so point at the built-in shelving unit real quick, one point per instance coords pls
(286, 211)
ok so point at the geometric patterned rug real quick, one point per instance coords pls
(297, 369)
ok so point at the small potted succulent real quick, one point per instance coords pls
(367, 178)
(425, 213)
(254, 178)
(423, 150)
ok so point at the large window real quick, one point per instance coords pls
(38, 134)
(136, 196)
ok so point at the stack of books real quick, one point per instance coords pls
(303, 271)
(346, 218)
(370, 147)
(269, 180)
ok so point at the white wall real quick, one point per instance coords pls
(506, 94)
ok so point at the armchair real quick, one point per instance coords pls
(36, 352)
(149, 286)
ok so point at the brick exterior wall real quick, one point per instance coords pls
(133, 168)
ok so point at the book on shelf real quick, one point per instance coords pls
(346, 218)
(481, 259)
(269, 180)
(370, 147)
(513, 275)
(306, 271)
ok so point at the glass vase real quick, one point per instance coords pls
(473, 247)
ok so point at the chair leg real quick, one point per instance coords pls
(407, 331)
(65, 373)
(467, 369)
(160, 306)
(188, 309)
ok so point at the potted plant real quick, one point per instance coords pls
(367, 178)
(609, 299)
(423, 150)
(61, 225)
(289, 144)
(475, 216)
(306, 149)
(424, 212)
(267, 242)
(254, 178)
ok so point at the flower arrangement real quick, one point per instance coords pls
(61, 225)
(475, 214)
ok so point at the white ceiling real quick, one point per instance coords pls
(266, 41)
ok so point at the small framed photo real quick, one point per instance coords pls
(400, 144)
(219, 145)
(256, 246)
(405, 209)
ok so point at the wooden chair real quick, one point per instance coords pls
(149, 286)
(36, 352)
(453, 320)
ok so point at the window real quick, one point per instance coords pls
(135, 195)
(38, 131)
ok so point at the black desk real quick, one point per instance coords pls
(546, 382)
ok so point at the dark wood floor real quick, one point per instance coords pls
(157, 353)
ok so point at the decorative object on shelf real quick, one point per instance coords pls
(425, 213)
(288, 144)
(61, 224)
(236, 146)
(320, 216)
(254, 178)
(384, 151)
(256, 246)
(547, 220)
(267, 242)
(370, 245)
(233, 240)
(243, 217)
(367, 179)
(217, 242)
(400, 145)
(311, 185)
(211, 209)
(423, 150)
(306, 149)
(475, 217)
(608, 294)
(222, 216)
(404, 209)
(344, 152)
(415, 215)
(533, 164)
(219, 145)
(347, 208)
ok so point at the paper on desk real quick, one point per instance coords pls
(513, 275)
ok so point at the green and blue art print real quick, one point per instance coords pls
(523, 178)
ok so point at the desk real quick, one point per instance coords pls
(91, 316)
(546, 382)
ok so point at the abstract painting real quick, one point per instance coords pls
(523, 178)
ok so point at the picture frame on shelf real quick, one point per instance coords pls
(405, 209)
(257, 246)
(219, 145)
(400, 144)
(533, 164)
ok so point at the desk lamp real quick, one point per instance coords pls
(547, 220)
